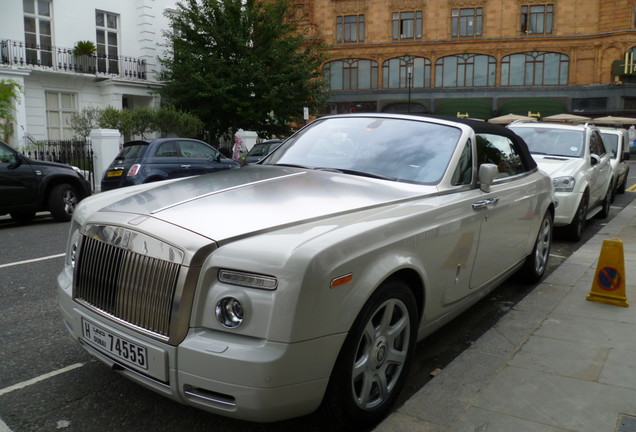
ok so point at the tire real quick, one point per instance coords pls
(22, 217)
(621, 188)
(607, 202)
(373, 363)
(574, 231)
(537, 262)
(63, 200)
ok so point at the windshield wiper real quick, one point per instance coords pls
(358, 173)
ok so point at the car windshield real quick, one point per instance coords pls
(611, 142)
(396, 149)
(554, 142)
(132, 151)
(262, 149)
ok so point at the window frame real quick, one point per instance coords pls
(399, 20)
(528, 17)
(347, 25)
(107, 48)
(63, 130)
(460, 22)
(40, 52)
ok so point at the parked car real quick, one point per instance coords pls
(617, 142)
(261, 149)
(28, 186)
(576, 158)
(304, 281)
(145, 161)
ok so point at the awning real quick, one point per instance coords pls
(567, 118)
(615, 120)
(509, 118)
(539, 106)
(464, 107)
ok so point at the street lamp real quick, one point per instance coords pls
(409, 71)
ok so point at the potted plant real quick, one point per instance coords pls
(84, 56)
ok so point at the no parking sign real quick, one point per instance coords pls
(609, 281)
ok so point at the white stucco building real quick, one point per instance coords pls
(36, 50)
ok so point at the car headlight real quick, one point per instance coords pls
(564, 184)
(229, 312)
(249, 280)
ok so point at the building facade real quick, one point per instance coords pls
(479, 58)
(37, 50)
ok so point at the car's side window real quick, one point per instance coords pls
(501, 151)
(464, 172)
(596, 144)
(194, 149)
(6, 156)
(167, 149)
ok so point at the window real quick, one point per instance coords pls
(464, 172)
(407, 25)
(351, 74)
(107, 42)
(465, 70)
(537, 19)
(395, 72)
(501, 151)
(37, 32)
(59, 109)
(350, 28)
(597, 146)
(534, 68)
(466, 22)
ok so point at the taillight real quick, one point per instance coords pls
(133, 170)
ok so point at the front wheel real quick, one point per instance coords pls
(373, 362)
(62, 202)
(574, 231)
(537, 262)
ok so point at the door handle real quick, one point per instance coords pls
(186, 166)
(485, 203)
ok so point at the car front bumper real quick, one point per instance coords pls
(568, 204)
(245, 378)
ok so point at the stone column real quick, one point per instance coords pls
(105, 147)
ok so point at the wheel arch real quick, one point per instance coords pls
(52, 183)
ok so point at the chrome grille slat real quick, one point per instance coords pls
(130, 286)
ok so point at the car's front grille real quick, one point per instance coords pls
(130, 286)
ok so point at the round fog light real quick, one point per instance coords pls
(229, 312)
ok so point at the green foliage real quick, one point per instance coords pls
(241, 63)
(138, 121)
(84, 121)
(9, 93)
(84, 48)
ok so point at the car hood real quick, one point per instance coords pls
(556, 166)
(234, 203)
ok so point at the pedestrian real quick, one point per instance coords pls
(238, 148)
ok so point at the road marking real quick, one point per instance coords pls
(36, 380)
(632, 188)
(31, 260)
(4, 427)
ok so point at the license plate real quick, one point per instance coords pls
(115, 345)
(116, 173)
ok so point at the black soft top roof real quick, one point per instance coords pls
(482, 127)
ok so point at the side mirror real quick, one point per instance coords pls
(487, 174)
(594, 159)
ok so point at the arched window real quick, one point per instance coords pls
(395, 72)
(465, 70)
(351, 74)
(534, 68)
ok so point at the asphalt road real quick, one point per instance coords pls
(47, 382)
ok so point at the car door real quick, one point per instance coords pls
(601, 171)
(18, 182)
(505, 210)
(165, 162)
(199, 158)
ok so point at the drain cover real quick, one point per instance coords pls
(626, 423)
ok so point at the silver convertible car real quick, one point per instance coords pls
(303, 282)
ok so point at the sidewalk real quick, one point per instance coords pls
(556, 362)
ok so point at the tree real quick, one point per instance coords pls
(84, 121)
(241, 64)
(9, 92)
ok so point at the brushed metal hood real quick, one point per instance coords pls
(234, 203)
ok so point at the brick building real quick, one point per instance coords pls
(477, 57)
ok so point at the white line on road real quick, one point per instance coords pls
(35, 380)
(4, 427)
(30, 261)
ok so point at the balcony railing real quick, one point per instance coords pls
(18, 53)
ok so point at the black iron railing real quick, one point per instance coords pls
(19, 53)
(71, 152)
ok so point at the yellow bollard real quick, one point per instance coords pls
(609, 281)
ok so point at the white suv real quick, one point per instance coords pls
(577, 160)
(617, 142)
